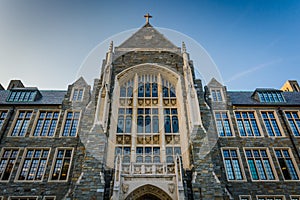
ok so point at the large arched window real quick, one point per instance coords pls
(146, 100)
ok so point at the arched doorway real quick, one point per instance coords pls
(148, 192)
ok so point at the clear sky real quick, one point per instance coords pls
(253, 43)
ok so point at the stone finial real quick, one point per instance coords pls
(183, 47)
(111, 46)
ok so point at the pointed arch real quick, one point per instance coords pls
(148, 191)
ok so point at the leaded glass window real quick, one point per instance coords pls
(294, 121)
(287, 164)
(21, 124)
(3, 115)
(216, 95)
(232, 164)
(260, 164)
(7, 163)
(77, 94)
(46, 123)
(62, 164)
(223, 124)
(34, 165)
(247, 124)
(271, 123)
(271, 96)
(71, 123)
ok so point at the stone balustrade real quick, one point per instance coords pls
(148, 168)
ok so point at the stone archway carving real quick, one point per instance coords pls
(148, 192)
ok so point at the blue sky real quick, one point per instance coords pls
(253, 43)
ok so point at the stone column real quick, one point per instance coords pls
(134, 119)
(161, 119)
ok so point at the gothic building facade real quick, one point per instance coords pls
(149, 129)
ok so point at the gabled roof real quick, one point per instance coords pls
(214, 83)
(148, 37)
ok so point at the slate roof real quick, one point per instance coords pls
(148, 37)
(49, 97)
(245, 98)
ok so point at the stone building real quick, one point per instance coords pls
(148, 129)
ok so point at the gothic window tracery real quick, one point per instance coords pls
(148, 109)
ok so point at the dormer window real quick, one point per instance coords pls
(270, 96)
(23, 95)
(77, 94)
(216, 95)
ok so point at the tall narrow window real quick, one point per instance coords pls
(62, 164)
(3, 114)
(223, 124)
(247, 124)
(124, 120)
(71, 123)
(271, 123)
(171, 120)
(77, 94)
(34, 165)
(46, 123)
(7, 163)
(260, 165)
(294, 121)
(147, 120)
(21, 124)
(168, 89)
(287, 164)
(232, 164)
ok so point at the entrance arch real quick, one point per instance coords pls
(148, 192)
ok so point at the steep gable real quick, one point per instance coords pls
(148, 37)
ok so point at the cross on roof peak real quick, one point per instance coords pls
(147, 16)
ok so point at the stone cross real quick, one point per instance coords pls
(147, 16)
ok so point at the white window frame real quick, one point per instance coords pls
(53, 197)
(245, 196)
(270, 160)
(17, 157)
(22, 197)
(270, 196)
(54, 161)
(15, 121)
(277, 121)
(229, 120)
(64, 123)
(36, 121)
(240, 163)
(257, 123)
(295, 196)
(73, 93)
(289, 126)
(293, 161)
(22, 162)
